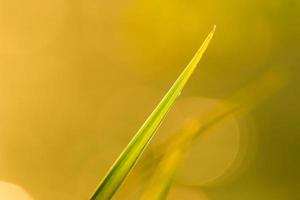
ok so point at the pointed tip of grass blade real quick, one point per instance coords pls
(128, 158)
(197, 57)
(208, 38)
(214, 29)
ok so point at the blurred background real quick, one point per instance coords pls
(78, 78)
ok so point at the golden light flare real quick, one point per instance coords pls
(10, 191)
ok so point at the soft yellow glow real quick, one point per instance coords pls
(9, 191)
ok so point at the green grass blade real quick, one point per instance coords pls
(123, 165)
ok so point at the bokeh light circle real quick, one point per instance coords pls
(9, 191)
(214, 151)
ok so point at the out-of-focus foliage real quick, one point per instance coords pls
(174, 149)
(77, 78)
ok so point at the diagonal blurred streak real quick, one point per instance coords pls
(171, 153)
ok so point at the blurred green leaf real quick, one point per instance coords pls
(172, 152)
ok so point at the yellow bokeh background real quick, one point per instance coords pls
(78, 78)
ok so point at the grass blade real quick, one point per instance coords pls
(123, 165)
